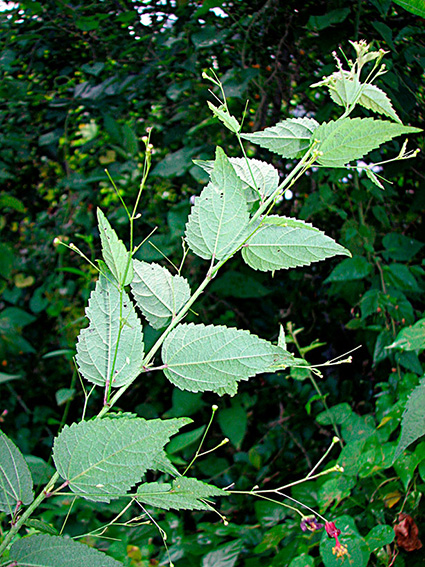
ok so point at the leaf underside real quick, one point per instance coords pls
(97, 353)
(218, 221)
(102, 459)
(282, 243)
(201, 358)
(44, 550)
(288, 138)
(345, 140)
(159, 295)
(15, 478)
(114, 251)
(183, 494)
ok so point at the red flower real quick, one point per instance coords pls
(339, 550)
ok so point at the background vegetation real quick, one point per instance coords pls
(81, 83)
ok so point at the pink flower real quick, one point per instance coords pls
(339, 550)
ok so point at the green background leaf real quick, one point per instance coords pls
(114, 252)
(43, 550)
(413, 420)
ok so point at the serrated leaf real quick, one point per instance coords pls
(283, 242)
(228, 120)
(114, 251)
(378, 101)
(102, 459)
(44, 550)
(183, 494)
(344, 89)
(15, 477)
(342, 141)
(414, 6)
(219, 218)
(213, 358)
(158, 294)
(98, 357)
(413, 420)
(287, 138)
(260, 179)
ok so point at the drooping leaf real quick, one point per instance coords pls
(219, 218)
(342, 141)
(260, 179)
(283, 242)
(114, 251)
(222, 114)
(98, 356)
(158, 294)
(413, 420)
(44, 550)
(344, 88)
(102, 459)
(287, 138)
(202, 358)
(378, 101)
(183, 494)
(15, 477)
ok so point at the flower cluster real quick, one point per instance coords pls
(311, 524)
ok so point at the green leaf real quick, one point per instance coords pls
(302, 561)
(332, 17)
(184, 440)
(224, 556)
(260, 179)
(44, 550)
(357, 550)
(233, 423)
(355, 268)
(344, 88)
(158, 294)
(102, 459)
(413, 420)
(203, 358)
(98, 356)
(287, 138)
(411, 338)
(342, 141)
(238, 284)
(114, 252)
(378, 101)
(414, 6)
(183, 494)
(400, 247)
(228, 120)
(15, 477)
(218, 221)
(283, 242)
(379, 536)
(8, 377)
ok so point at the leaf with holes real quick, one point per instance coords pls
(287, 138)
(218, 221)
(213, 358)
(183, 494)
(114, 252)
(42, 550)
(345, 140)
(102, 459)
(15, 477)
(283, 242)
(99, 356)
(159, 295)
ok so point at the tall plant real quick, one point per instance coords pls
(106, 458)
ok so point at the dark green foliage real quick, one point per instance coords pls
(78, 91)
